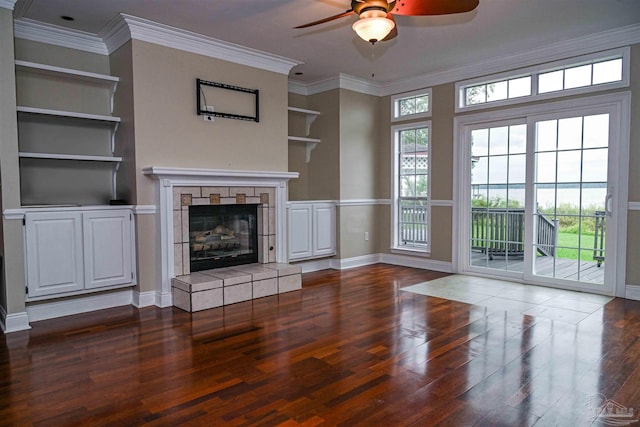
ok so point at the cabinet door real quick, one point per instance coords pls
(300, 232)
(54, 253)
(324, 229)
(107, 253)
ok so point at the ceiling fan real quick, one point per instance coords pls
(376, 21)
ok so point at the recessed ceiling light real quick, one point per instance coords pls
(67, 18)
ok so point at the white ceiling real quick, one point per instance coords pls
(424, 45)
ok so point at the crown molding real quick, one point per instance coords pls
(611, 39)
(29, 29)
(8, 4)
(115, 35)
(341, 81)
(580, 46)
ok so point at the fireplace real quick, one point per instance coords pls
(222, 236)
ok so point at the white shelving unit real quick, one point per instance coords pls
(67, 158)
(311, 116)
(89, 125)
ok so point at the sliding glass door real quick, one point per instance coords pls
(571, 197)
(540, 195)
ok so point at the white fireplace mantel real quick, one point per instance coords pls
(168, 178)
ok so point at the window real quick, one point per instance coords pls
(497, 91)
(411, 105)
(411, 205)
(581, 76)
(589, 73)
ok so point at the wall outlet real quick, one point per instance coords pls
(366, 236)
(208, 118)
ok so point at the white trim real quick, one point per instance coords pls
(341, 81)
(145, 210)
(143, 299)
(168, 178)
(579, 46)
(417, 262)
(395, 152)
(359, 261)
(181, 173)
(362, 202)
(634, 206)
(13, 322)
(7, 4)
(395, 100)
(605, 40)
(13, 214)
(315, 265)
(620, 103)
(53, 309)
(633, 292)
(19, 213)
(115, 35)
(30, 29)
(534, 73)
(441, 203)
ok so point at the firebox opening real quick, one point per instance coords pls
(222, 235)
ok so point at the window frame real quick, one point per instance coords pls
(395, 105)
(535, 71)
(396, 246)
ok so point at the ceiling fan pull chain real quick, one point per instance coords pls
(373, 57)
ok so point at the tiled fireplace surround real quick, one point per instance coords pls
(180, 188)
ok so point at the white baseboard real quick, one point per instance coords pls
(361, 261)
(633, 292)
(143, 299)
(84, 304)
(314, 265)
(163, 300)
(13, 322)
(423, 263)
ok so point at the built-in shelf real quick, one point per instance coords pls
(26, 155)
(303, 139)
(311, 116)
(51, 70)
(310, 142)
(69, 114)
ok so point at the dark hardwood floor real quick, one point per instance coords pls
(350, 348)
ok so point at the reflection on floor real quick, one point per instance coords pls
(499, 295)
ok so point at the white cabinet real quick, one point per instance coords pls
(312, 230)
(70, 252)
(54, 253)
(310, 117)
(107, 248)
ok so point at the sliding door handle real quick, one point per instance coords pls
(607, 204)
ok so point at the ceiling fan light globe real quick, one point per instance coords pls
(373, 26)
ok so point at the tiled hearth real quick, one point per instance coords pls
(177, 189)
(223, 286)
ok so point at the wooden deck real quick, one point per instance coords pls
(565, 268)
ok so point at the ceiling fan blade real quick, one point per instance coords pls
(433, 7)
(330, 18)
(394, 31)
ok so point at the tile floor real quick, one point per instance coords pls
(555, 304)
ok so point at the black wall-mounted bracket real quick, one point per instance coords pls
(200, 96)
